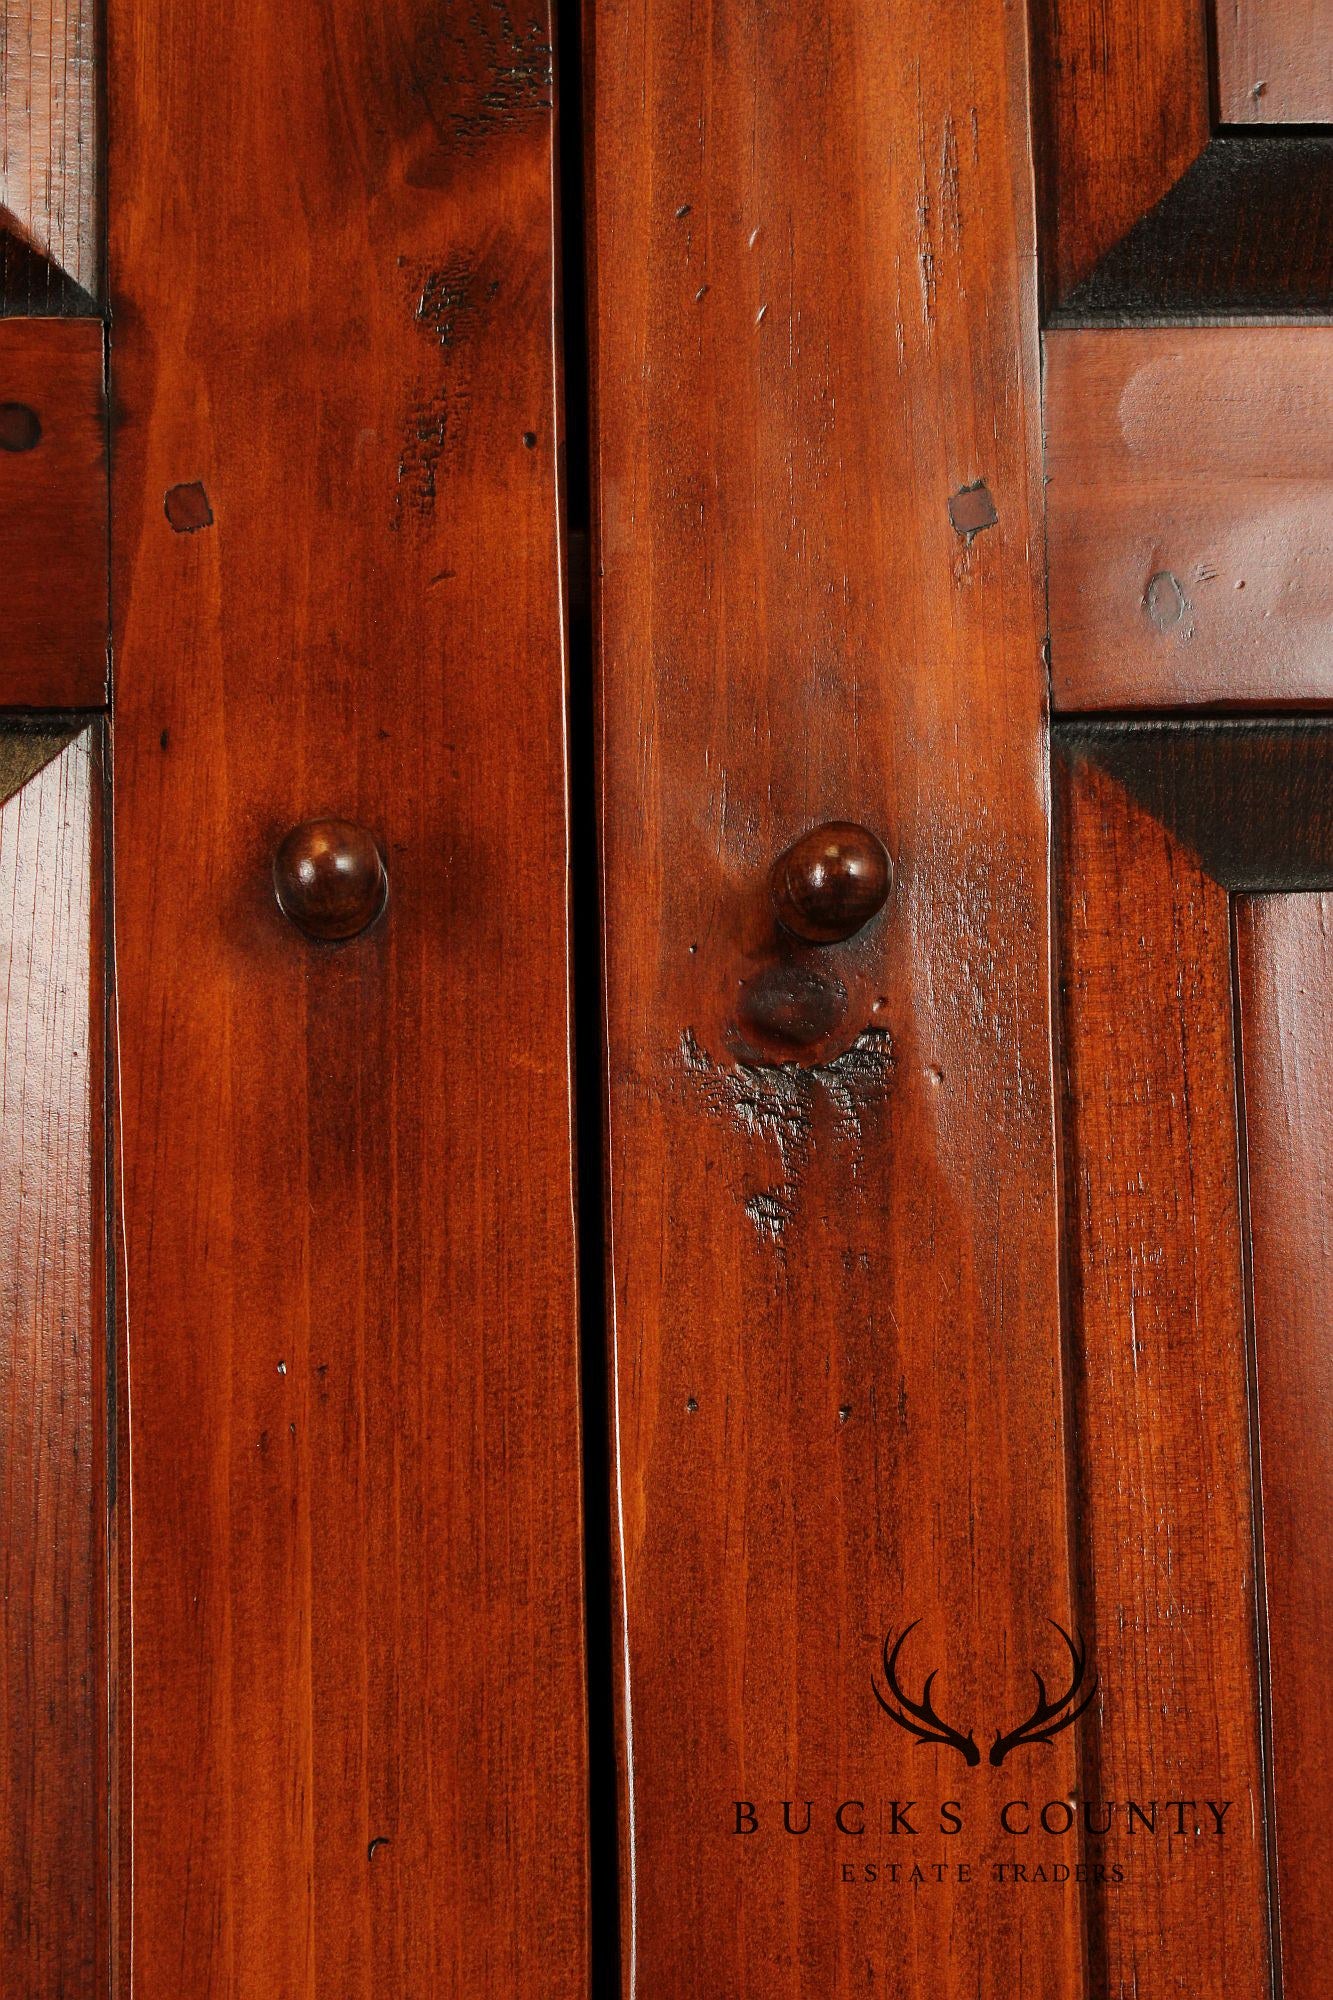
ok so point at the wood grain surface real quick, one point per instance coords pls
(359, 1721)
(1122, 101)
(1190, 516)
(50, 236)
(1274, 61)
(835, 1341)
(54, 1843)
(53, 514)
(1158, 1325)
(1284, 961)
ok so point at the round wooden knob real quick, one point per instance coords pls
(831, 882)
(329, 878)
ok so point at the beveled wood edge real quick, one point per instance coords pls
(1166, 269)
(29, 741)
(1251, 796)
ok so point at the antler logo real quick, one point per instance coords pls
(919, 1718)
(1048, 1718)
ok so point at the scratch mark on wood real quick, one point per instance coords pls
(482, 70)
(450, 301)
(770, 1212)
(784, 1103)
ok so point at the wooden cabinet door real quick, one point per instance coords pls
(335, 1741)
(972, 1481)
(666, 833)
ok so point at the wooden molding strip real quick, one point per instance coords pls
(1157, 1329)
(1284, 969)
(53, 514)
(359, 1716)
(1190, 516)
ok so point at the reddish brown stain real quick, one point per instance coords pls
(187, 507)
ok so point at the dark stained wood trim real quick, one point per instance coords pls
(1251, 798)
(1284, 977)
(28, 743)
(53, 514)
(1245, 233)
(1121, 95)
(32, 286)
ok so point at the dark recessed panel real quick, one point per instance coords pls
(1253, 799)
(1247, 230)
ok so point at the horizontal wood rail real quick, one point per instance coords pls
(1190, 516)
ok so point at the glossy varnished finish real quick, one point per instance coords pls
(1274, 61)
(1285, 971)
(53, 515)
(49, 178)
(1162, 1438)
(329, 879)
(358, 1727)
(1189, 516)
(54, 1844)
(830, 883)
(835, 1341)
(1122, 103)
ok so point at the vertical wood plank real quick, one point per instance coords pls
(1274, 61)
(54, 1844)
(359, 1759)
(837, 1385)
(1162, 1413)
(1285, 959)
(49, 181)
